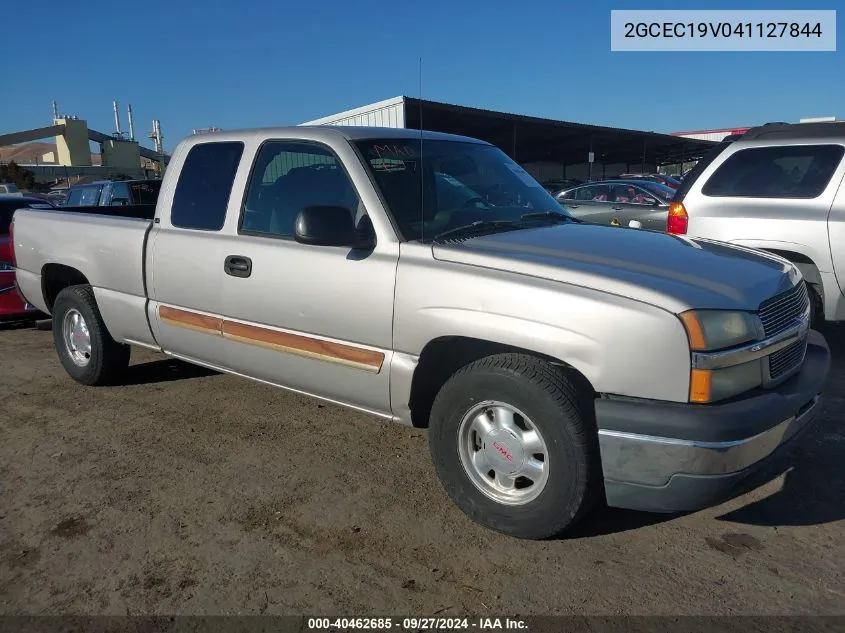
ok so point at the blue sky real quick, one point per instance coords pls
(198, 63)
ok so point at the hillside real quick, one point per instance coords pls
(32, 153)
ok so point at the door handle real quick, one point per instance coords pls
(572, 206)
(238, 266)
(617, 208)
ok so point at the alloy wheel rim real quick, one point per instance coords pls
(76, 337)
(503, 453)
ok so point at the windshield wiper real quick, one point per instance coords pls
(479, 227)
(551, 215)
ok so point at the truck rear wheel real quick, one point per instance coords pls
(85, 348)
(514, 447)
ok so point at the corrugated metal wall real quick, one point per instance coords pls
(714, 135)
(388, 113)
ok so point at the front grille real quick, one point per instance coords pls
(779, 312)
(786, 359)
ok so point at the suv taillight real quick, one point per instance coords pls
(678, 220)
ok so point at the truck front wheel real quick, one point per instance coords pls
(514, 447)
(85, 348)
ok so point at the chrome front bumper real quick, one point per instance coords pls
(672, 457)
(652, 461)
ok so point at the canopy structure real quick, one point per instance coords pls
(533, 140)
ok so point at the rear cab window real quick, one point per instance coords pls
(205, 184)
(789, 172)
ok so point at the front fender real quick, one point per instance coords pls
(620, 346)
(577, 349)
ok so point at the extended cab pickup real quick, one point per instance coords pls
(427, 279)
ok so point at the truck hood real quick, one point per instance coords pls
(668, 271)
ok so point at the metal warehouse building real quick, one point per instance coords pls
(546, 148)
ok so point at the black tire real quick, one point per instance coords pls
(814, 293)
(108, 359)
(561, 415)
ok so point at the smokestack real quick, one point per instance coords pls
(116, 119)
(55, 110)
(131, 123)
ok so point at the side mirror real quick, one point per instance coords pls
(330, 226)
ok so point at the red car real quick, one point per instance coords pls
(12, 307)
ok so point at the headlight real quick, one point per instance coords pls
(710, 330)
(710, 385)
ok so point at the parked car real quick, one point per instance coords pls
(663, 179)
(12, 307)
(57, 197)
(779, 188)
(619, 202)
(10, 189)
(555, 363)
(106, 193)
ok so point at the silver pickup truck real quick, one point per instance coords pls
(427, 279)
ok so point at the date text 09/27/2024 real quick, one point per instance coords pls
(415, 624)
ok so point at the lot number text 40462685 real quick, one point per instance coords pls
(416, 624)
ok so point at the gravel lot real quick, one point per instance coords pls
(188, 492)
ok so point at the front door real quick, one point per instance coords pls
(315, 319)
(631, 202)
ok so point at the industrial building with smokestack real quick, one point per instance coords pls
(72, 159)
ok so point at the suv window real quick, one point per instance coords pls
(83, 196)
(795, 171)
(289, 176)
(205, 184)
(119, 194)
(73, 198)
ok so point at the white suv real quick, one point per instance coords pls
(779, 188)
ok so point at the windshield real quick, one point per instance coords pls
(459, 183)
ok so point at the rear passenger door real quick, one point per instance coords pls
(316, 319)
(590, 203)
(186, 250)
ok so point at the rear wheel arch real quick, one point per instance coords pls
(57, 277)
(442, 357)
(805, 264)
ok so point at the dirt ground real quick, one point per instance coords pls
(188, 492)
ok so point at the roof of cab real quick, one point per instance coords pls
(328, 132)
(796, 131)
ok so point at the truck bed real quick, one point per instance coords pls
(107, 249)
(137, 211)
